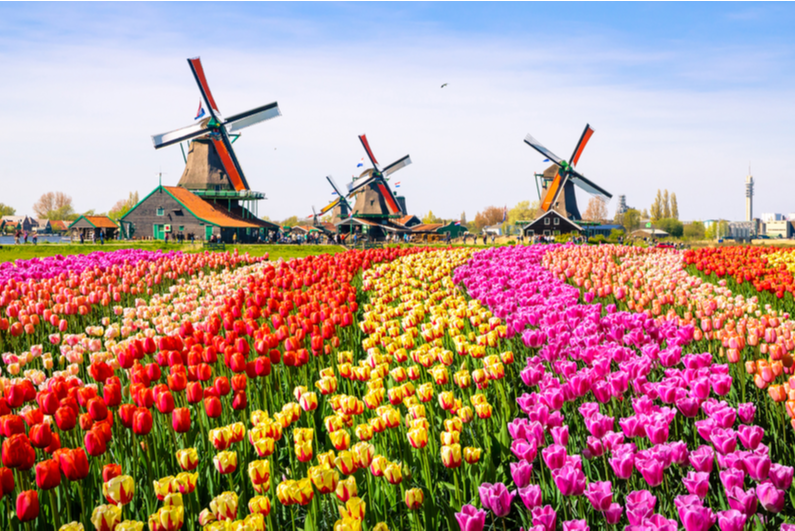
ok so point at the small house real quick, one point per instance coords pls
(94, 228)
(550, 223)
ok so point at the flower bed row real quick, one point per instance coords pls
(201, 393)
(621, 425)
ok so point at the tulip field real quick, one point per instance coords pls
(542, 387)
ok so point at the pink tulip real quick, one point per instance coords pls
(600, 495)
(560, 435)
(697, 483)
(545, 517)
(554, 456)
(657, 432)
(750, 436)
(651, 470)
(471, 519)
(724, 417)
(623, 465)
(743, 501)
(746, 412)
(757, 466)
(725, 441)
(679, 453)
(687, 406)
(702, 458)
(771, 498)
(594, 447)
(524, 450)
(569, 480)
(521, 472)
(531, 496)
(781, 476)
(613, 513)
(721, 384)
(696, 517)
(497, 498)
(640, 505)
(575, 525)
(731, 478)
(731, 520)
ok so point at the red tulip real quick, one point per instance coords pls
(110, 471)
(212, 406)
(41, 435)
(15, 451)
(177, 381)
(65, 418)
(95, 443)
(48, 402)
(222, 385)
(6, 481)
(11, 425)
(33, 416)
(126, 414)
(240, 401)
(48, 474)
(74, 463)
(180, 420)
(27, 505)
(55, 444)
(194, 392)
(165, 402)
(112, 395)
(97, 409)
(142, 421)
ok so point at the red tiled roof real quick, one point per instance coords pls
(58, 224)
(102, 222)
(206, 211)
(427, 227)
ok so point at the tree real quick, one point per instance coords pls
(694, 231)
(631, 219)
(123, 206)
(596, 210)
(674, 207)
(292, 221)
(645, 214)
(666, 205)
(657, 207)
(6, 210)
(53, 203)
(430, 218)
(490, 216)
(672, 226)
(463, 219)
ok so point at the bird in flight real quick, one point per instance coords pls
(444, 85)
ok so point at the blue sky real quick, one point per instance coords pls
(682, 96)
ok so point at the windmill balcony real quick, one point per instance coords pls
(244, 195)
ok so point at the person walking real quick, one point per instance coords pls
(102, 237)
(234, 238)
(26, 236)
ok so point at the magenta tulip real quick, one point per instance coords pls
(520, 472)
(545, 517)
(771, 498)
(471, 519)
(731, 520)
(531, 496)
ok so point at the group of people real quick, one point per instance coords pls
(23, 235)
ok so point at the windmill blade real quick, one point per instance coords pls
(361, 182)
(366, 144)
(179, 135)
(553, 192)
(395, 166)
(341, 197)
(589, 186)
(535, 144)
(389, 198)
(329, 207)
(204, 87)
(254, 116)
(586, 136)
(224, 148)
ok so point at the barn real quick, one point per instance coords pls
(179, 213)
(551, 223)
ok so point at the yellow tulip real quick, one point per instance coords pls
(225, 462)
(224, 506)
(253, 522)
(418, 437)
(187, 482)
(414, 498)
(324, 478)
(303, 451)
(259, 472)
(451, 456)
(169, 518)
(348, 524)
(327, 458)
(472, 455)
(127, 525)
(106, 517)
(119, 489)
(259, 505)
(393, 473)
(188, 459)
(72, 526)
(172, 499)
(265, 446)
(238, 431)
(346, 489)
(341, 439)
(354, 508)
(164, 486)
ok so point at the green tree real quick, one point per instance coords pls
(292, 221)
(6, 210)
(674, 207)
(657, 208)
(694, 231)
(430, 218)
(666, 205)
(672, 226)
(123, 206)
(631, 219)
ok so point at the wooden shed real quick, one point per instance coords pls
(551, 223)
(94, 228)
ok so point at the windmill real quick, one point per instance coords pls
(344, 209)
(372, 188)
(561, 177)
(217, 149)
